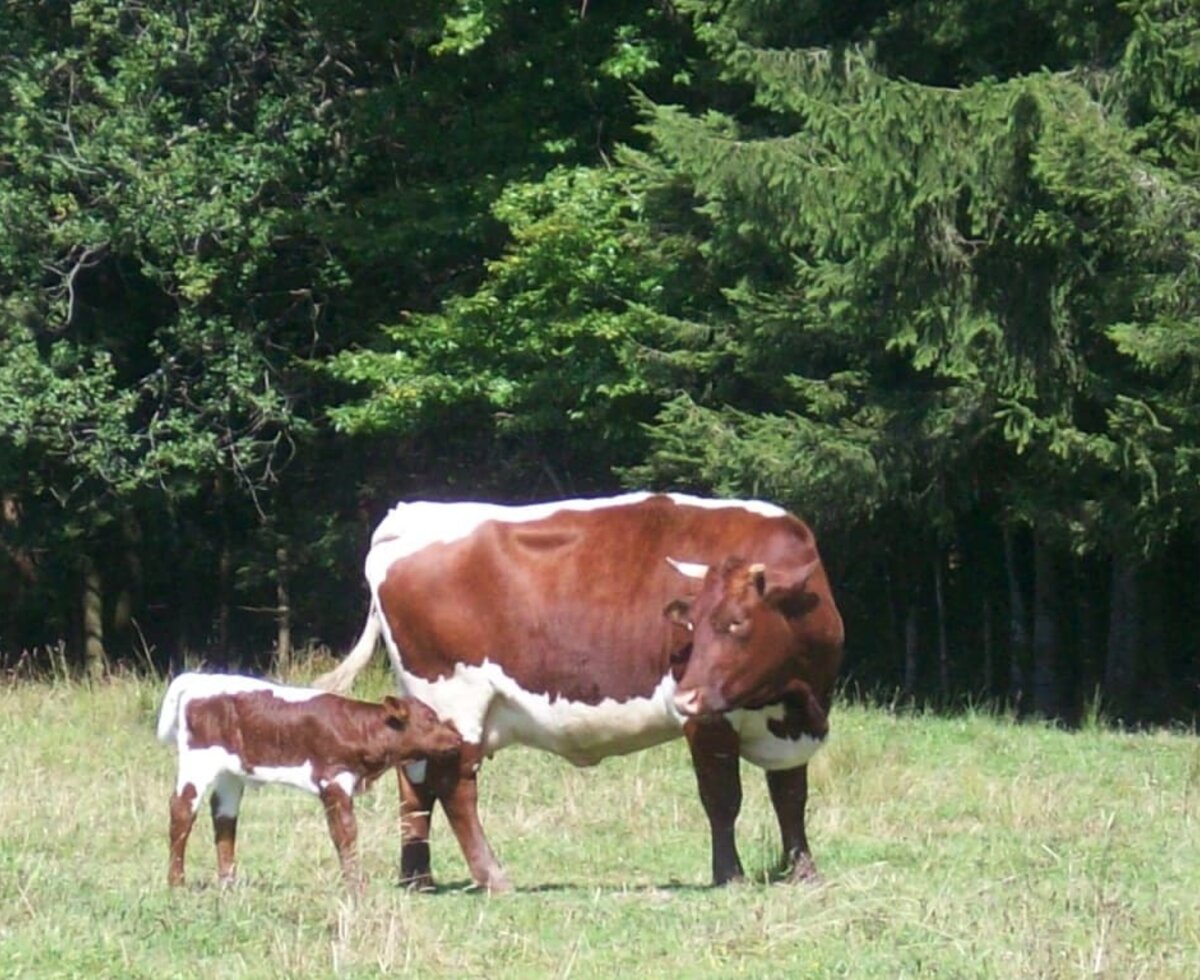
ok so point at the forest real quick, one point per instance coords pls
(925, 272)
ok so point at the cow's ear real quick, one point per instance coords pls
(788, 592)
(397, 710)
(758, 576)
(679, 611)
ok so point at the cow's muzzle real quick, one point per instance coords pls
(696, 703)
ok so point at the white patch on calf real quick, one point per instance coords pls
(202, 767)
(299, 777)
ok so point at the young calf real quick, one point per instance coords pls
(234, 730)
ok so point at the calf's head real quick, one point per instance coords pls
(414, 731)
(755, 633)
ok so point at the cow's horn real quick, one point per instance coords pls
(691, 569)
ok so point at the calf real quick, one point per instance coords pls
(234, 730)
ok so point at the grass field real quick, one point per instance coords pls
(956, 847)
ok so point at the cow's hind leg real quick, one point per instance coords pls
(416, 809)
(714, 747)
(225, 803)
(457, 787)
(789, 796)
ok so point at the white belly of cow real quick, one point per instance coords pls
(759, 745)
(489, 708)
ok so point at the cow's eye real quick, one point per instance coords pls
(738, 627)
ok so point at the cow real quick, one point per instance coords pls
(597, 627)
(232, 730)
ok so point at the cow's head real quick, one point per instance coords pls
(750, 640)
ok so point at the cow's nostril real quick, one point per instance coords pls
(689, 702)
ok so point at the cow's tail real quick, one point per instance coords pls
(342, 676)
(168, 714)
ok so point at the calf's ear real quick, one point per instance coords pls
(397, 710)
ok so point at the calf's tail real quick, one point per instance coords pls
(342, 676)
(168, 715)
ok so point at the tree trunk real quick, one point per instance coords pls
(1124, 638)
(283, 644)
(94, 658)
(911, 652)
(1018, 619)
(1046, 700)
(894, 636)
(943, 645)
(224, 574)
(989, 648)
(131, 591)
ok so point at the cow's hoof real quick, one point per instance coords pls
(804, 872)
(496, 883)
(418, 882)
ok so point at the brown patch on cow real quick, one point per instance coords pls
(571, 605)
(802, 715)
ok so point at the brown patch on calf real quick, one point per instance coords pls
(183, 815)
(334, 735)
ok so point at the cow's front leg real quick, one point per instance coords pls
(457, 787)
(714, 747)
(789, 796)
(343, 829)
(416, 809)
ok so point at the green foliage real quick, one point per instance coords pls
(549, 349)
(152, 165)
(969, 255)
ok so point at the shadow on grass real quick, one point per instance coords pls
(468, 887)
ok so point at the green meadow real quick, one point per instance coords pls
(962, 846)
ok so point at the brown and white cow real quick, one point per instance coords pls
(232, 730)
(597, 627)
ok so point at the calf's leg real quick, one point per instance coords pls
(714, 747)
(225, 803)
(183, 815)
(343, 829)
(789, 797)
